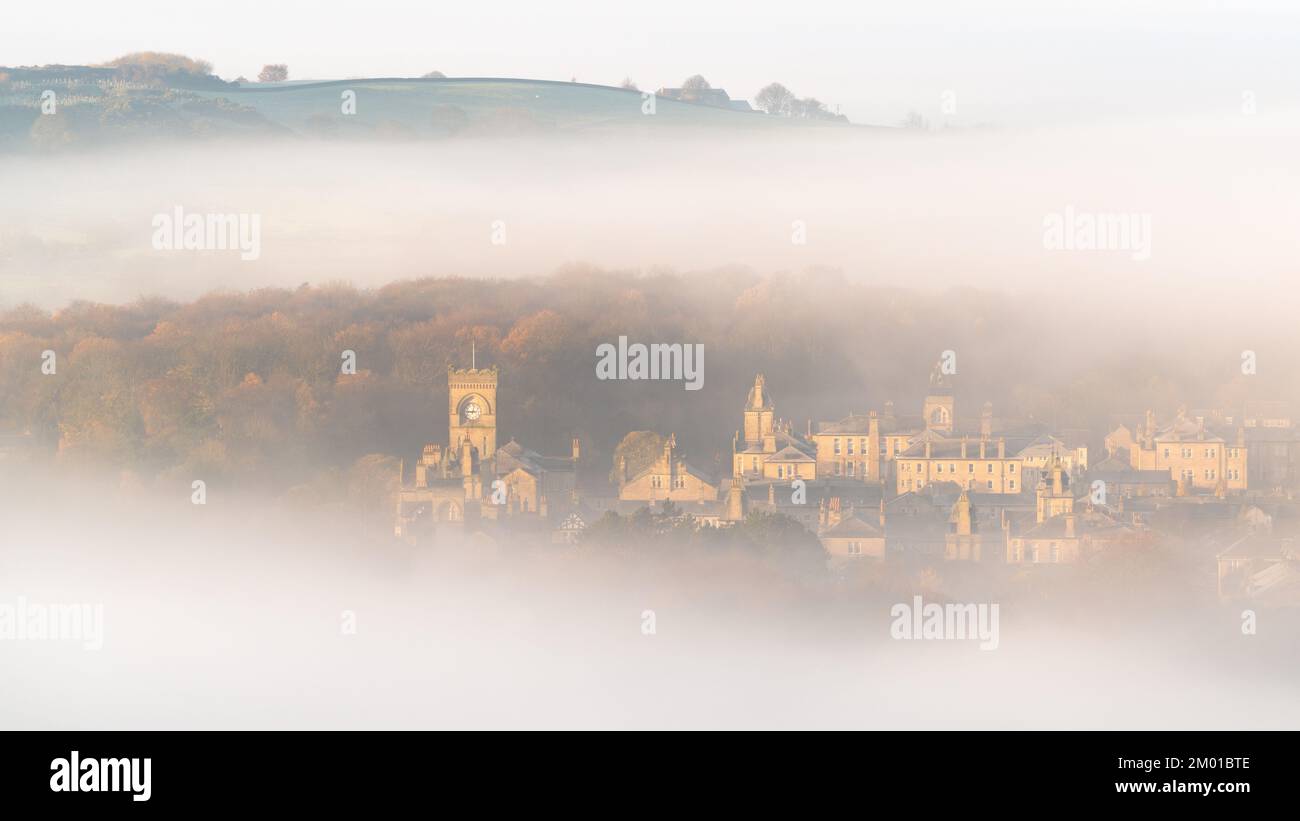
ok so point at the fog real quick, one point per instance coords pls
(229, 615)
(884, 206)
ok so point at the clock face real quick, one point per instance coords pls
(472, 411)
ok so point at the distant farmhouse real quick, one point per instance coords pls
(715, 97)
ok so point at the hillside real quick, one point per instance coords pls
(100, 105)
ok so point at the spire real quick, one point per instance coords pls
(759, 399)
(473, 355)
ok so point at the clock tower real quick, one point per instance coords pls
(472, 395)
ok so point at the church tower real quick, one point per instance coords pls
(940, 410)
(759, 413)
(472, 407)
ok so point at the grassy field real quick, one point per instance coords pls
(95, 109)
(434, 107)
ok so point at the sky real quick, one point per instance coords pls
(1005, 62)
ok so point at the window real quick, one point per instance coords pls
(753, 463)
(1011, 468)
(990, 484)
(679, 482)
(1166, 453)
(952, 468)
(851, 465)
(862, 446)
(1033, 554)
(938, 468)
(1187, 453)
(1209, 452)
(837, 447)
(780, 472)
(1012, 484)
(990, 470)
(849, 442)
(855, 548)
(1056, 553)
(970, 467)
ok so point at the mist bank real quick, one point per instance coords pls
(240, 614)
(928, 210)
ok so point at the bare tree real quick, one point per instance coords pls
(434, 75)
(628, 84)
(775, 98)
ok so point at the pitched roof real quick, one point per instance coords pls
(513, 455)
(1184, 429)
(853, 527)
(1086, 523)
(789, 453)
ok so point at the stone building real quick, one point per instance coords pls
(1198, 458)
(471, 479)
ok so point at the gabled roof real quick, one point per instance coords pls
(682, 465)
(1183, 429)
(853, 527)
(784, 439)
(854, 423)
(949, 447)
(1278, 584)
(1087, 523)
(1114, 464)
(1256, 546)
(513, 455)
(789, 453)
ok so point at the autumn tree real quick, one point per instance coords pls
(695, 84)
(638, 451)
(149, 66)
(273, 73)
